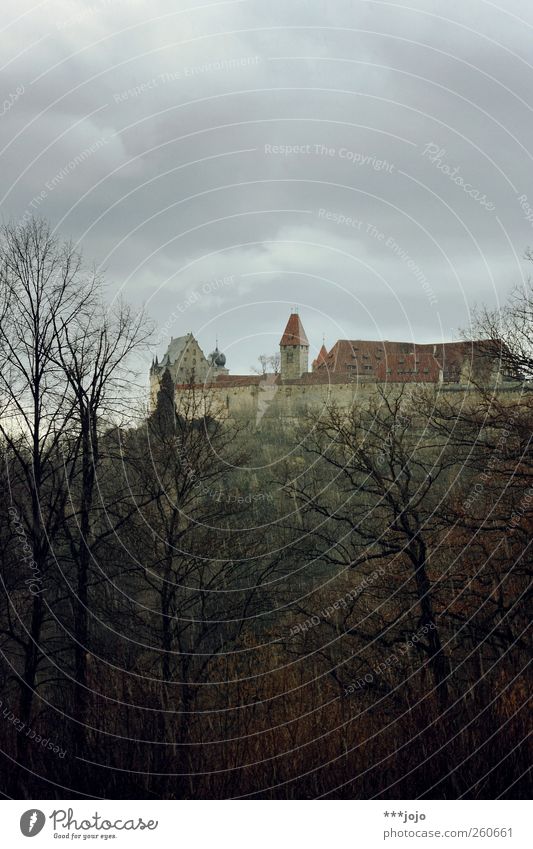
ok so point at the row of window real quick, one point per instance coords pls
(401, 360)
(352, 367)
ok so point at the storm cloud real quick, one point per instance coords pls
(223, 162)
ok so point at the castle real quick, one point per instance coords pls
(351, 367)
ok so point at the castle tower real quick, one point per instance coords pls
(294, 349)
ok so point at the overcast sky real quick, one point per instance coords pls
(368, 161)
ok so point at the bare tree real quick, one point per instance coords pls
(197, 564)
(65, 376)
(373, 494)
(268, 364)
(94, 355)
(43, 288)
(506, 334)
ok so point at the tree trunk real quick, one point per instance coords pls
(438, 660)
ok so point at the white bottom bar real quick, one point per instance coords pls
(267, 825)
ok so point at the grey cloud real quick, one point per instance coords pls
(182, 192)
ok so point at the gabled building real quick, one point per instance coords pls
(187, 364)
(404, 362)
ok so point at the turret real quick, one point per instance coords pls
(294, 349)
(321, 359)
(217, 362)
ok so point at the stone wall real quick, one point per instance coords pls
(262, 403)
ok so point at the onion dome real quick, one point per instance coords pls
(217, 358)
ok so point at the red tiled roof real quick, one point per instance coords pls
(319, 378)
(294, 332)
(238, 380)
(322, 354)
(351, 361)
(226, 380)
(399, 361)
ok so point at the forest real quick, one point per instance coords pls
(194, 607)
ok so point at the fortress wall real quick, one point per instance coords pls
(254, 404)
(289, 403)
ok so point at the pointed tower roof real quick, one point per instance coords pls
(322, 355)
(294, 332)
